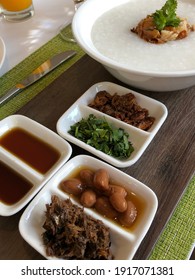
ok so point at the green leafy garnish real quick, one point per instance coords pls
(99, 134)
(166, 16)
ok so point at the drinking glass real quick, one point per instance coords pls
(16, 10)
(62, 30)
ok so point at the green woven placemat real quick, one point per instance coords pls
(7, 81)
(177, 239)
(179, 235)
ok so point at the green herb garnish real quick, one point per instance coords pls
(99, 134)
(166, 16)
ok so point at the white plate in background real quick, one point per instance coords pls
(29, 35)
(2, 52)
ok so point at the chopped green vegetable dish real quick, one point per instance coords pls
(167, 16)
(99, 134)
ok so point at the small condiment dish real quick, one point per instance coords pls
(124, 242)
(140, 139)
(12, 150)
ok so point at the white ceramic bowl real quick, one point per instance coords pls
(25, 170)
(140, 139)
(152, 80)
(124, 243)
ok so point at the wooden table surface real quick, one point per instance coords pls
(166, 166)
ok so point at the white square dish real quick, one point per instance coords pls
(18, 166)
(140, 139)
(124, 243)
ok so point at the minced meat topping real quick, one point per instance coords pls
(71, 234)
(147, 30)
(164, 25)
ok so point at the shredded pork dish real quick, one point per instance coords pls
(71, 234)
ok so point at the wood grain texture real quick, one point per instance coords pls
(166, 166)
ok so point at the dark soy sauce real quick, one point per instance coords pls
(33, 151)
(13, 186)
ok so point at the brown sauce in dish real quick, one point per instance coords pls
(33, 151)
(13, 186)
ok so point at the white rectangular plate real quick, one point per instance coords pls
(124, 243)
(25, 170)
(139, 138)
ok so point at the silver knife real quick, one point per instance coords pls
(38, 73)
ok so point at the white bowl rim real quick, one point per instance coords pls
(109, 62)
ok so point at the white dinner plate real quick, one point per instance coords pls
(2, 52)
(124, 243)
(30, 35)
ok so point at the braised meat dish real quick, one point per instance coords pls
(123, 107)
(147, 30)
(71, 234)
(164, 25)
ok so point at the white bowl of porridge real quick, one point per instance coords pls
(103, 30)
